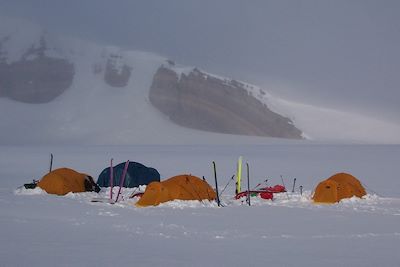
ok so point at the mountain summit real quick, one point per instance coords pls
(75, 88)
(56, 89)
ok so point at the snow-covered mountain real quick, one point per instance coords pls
(56, 89)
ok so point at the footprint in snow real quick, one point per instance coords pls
(107, 213)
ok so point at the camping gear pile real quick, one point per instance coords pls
(182, 187)
(266, 192)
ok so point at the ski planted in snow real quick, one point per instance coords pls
(239, 175)
(216, 184)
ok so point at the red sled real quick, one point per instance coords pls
(274, 189)
(262, 193)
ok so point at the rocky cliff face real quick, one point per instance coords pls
(204, 102)
(117, 73)
(36, 77)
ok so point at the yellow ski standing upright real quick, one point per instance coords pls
(239, 175)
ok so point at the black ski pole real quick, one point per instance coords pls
(216, 183)
(294, 184)
(266, 182)
(283, 183)
(256, 186)
(51, 162)
(248, 184)
(233, 176)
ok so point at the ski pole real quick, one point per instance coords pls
(294, 183)
(216, 183)
(111, 178)
(248, 184)
(194, 189)
(51, 162)
(233, 176)
(266, 184)
(256, 186)
(283, 183)
(121, 184)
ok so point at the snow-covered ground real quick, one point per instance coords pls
(37, 229)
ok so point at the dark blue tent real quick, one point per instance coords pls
(137, 174)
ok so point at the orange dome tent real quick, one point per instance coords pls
(64, 180)
(337, 187)
(184, 187)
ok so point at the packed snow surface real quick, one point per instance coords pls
(38, 229)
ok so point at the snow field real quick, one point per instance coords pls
(48, 230)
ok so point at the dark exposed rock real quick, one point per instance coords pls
(171, 62)
(36, 78)
(114, 76)
(207, 103)
(2, 53)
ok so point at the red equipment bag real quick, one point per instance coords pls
(266, 195)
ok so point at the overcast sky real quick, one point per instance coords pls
(336, 53)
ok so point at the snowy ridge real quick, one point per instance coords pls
(17, 36)
(319, 123)
(323, 124)
(103, 114)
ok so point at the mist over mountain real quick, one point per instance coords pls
(57, 89)
(335, 54)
